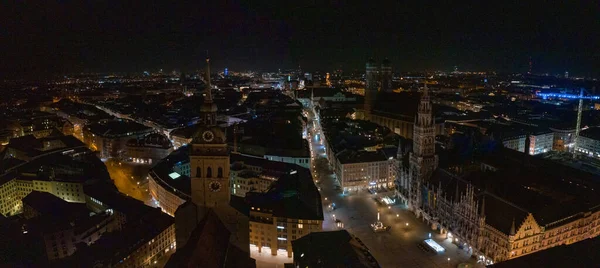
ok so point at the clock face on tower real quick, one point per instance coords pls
(215, 186)
(208, 136)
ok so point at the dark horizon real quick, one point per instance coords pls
(58, 38)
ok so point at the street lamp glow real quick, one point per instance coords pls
(407, 224)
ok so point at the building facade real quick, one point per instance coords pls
(540, 142)
(148, 150)
(423, 160)
(362, 170)
(515, 142)
(588, 143)
(109, 137)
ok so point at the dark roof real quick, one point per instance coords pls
(125, 241)
(112, 198)
(48, 205)
(117, 128)
(331, 249)
(34, 147)
(207, 246)
(264, 164)
(163, 168)
(526, 184)
(500, 214)
(293, 195)
(151, 140)
(580, 254)
(351, 156)
(592, 133)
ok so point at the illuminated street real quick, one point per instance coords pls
(357, 211)
(130, 179)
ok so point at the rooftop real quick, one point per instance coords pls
(152, 140)
(580, 254)
(332, 249)
(592, 133)
(351, 156)
(117, 128)
(48, 205)
(292, 196)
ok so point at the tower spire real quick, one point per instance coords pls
(208, 109)
(208, 85)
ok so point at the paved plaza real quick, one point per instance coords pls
(358, 210)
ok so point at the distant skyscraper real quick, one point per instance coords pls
(530, 65)
(386, 76)
(566, 74)
(371, 85)
(226, 72)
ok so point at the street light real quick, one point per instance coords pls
(448, 262)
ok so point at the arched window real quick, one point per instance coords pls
(209, 172)
(220, 172)
(198, 172)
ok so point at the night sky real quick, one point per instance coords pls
(81, 36)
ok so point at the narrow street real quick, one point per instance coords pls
(130, 179)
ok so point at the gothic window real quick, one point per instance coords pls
(220, 172)
(209, 172)
(198, 172)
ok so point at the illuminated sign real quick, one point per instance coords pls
(174, 175)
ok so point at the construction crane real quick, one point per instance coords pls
(580, 97)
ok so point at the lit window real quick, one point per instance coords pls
(300, 226)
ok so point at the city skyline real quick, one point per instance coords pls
(133, 37)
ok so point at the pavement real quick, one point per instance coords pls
(130, 179)
(358, 210)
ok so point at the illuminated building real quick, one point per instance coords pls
(540, 142)
(358, 170)
(273, 225)
(423, 160)
(564, 138)
(60, 166)
(514, 140)
(588, 143)
(143, 236)
(110, 136)
(503, 206)
(148, 150)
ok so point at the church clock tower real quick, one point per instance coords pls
(209, 157)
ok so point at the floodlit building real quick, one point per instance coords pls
(109, 137)
(60, 165)
(148, 150)
(273, 225)
(505, 205)
(588, 142)
(540, 142)
(357, 170)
